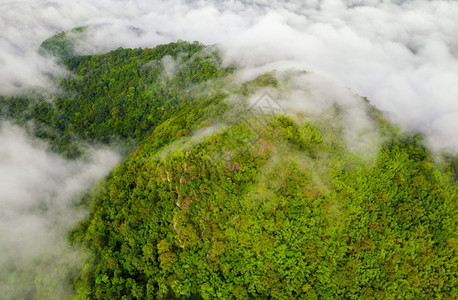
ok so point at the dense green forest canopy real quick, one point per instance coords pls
(215, 201)
(120, 96)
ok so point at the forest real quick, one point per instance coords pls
(213, 200)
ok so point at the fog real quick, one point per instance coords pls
(402, 55)
(37, 204)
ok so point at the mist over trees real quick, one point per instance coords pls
(216, 200)
(402, 55)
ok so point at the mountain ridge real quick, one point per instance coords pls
(215, 200)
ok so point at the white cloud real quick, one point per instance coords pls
(36, 193)
(402, 55)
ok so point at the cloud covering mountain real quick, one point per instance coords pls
(402, 55)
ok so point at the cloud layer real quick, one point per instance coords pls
(36, 193)
(402, 55)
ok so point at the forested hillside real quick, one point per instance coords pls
(120, 96)
(214, 200)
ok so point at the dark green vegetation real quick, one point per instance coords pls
(120, 96)
(266, 206)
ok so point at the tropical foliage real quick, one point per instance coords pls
(214, 201)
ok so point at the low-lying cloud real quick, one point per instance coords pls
(37, 194)
(402, 55)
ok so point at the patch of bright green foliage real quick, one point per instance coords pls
(63, 44)
(242, 216)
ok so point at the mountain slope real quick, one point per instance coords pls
(241, 214)
(119, 96)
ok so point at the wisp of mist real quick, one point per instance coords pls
(38, 191)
